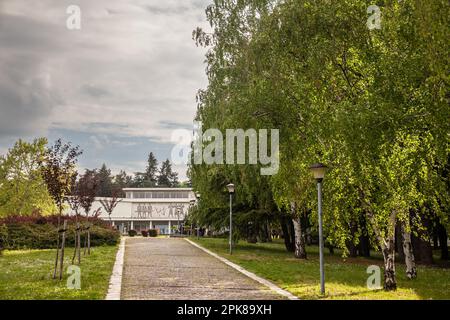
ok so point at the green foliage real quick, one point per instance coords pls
(167, 177)
(43, 236)
(152, 233)
(132, 233)
(22, 188)
(58, 168)
(103, 175)
(372, 105)
(151, 171)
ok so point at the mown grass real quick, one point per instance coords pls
(27, 274)
(345, 278)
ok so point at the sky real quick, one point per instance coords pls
(117, 87)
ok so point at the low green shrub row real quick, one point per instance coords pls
(145, 233)
(44, 236)
(132, 233)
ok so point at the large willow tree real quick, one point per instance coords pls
(372, 104)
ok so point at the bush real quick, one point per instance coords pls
(153, 233)
(3, 237)
(144, 233)
(41, 233)
(132, 233)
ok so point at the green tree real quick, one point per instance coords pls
(58, 170)
(105, 182)
(167, 177)
(373, 105)
(151, 171)
(22, 189)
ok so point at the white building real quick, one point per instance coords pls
(149, 208)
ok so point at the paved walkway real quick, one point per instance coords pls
(171, 269)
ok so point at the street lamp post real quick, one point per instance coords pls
(318, 171)
(178, 218)
(198, 204)
(230, 188)
(192, 204)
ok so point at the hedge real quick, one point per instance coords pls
(152, 233)
(42, 234)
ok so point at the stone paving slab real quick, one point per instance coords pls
(173, 269)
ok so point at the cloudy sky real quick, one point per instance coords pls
(117, 87)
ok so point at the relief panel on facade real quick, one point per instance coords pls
(152, 210)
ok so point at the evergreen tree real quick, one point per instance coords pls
(139, 180)
(105, 182)
(167, 178)
(151, 171)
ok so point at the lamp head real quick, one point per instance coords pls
(230, 188)
(318, 170)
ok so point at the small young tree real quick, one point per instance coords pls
(58, 167)
(109, 204)
(87, 189)
(75, 204)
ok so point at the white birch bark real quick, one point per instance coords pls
(300, 250)
(411, 271)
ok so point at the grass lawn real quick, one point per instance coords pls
(27, 274)
(344, 278)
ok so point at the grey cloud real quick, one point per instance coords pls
(132, 70)
(26, 98)
(94, 91)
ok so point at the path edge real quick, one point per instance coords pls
(115, 282)
(249, 274)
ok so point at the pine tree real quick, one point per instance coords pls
(151, 171)
(123, 180)
(167, 178)
(105, 182)
(139, 180)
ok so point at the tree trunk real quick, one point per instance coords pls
(75, 247)
(352, 248)
(85, 241)
(364, 246)
(251, 237)
(89, 240)
(291, 233)
(422, 250)
(442, 234)
(387, 245)
(399, 242)
(63, 243)
(76, 253)
(262, 235)
(300, 248)
(57, 246)
(411, 271)
(388, 250)
(331, 249)
(268, 232)
(79, 244)
(364, 240)
(286, 237)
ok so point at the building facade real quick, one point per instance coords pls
(163, 209)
